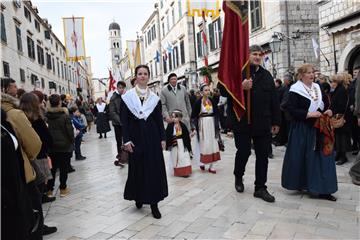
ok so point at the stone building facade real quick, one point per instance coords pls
(32, 54)
(339, 23)
(294, 23)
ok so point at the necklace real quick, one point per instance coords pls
(312, 91)
(142, 93)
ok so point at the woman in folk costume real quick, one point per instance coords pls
(179, 144)
(205, 119)
(309, 159)
(144, 138)
(102, 120)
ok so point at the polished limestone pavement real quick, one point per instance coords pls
(203, 206)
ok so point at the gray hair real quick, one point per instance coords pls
(255, 48)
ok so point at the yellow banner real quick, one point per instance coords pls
(210, 8)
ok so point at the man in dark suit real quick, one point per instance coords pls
(265, 121)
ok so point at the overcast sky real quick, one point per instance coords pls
(131, 15)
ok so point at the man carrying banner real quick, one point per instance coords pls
(261, 116)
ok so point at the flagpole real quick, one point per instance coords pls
(206, 62)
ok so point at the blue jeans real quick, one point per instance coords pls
(78, 139)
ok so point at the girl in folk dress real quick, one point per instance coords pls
(102, 120)
(205, 118)
(179, 144)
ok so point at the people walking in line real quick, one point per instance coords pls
(62, 133)
(174, 96)
(179, 144)
(205, 120)
(265, 121)
(30, 104)
(114, 110)
(102, 119)
(340, 104)
(144, 138)
(309, 160)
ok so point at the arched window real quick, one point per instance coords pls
(114, 33)
(114, 45)
(118, 45)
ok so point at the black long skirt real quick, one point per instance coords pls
(102, 123)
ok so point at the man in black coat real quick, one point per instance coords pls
(114, 109)
(265, 121)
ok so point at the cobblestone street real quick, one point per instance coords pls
(204, 206)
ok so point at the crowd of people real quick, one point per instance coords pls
(315, 117)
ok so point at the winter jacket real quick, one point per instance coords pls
(29, 140)
(114, 109)
(61, 130)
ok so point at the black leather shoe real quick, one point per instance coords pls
(46, 198)
(79, 158)
(239, 186)
(271, 155)
(71, 169)
(327, 197)
(138, 205)
(48, 230)
(264, 195)
(155, 211)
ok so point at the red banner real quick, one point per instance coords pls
(234, 56)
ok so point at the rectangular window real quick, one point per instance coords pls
(163, 28)
(173, 16)
(212, 36)
(22, 75)
(154, 32)
(34, 79)
(156, 70)
(151, 70)
(62, 69)
(255, 15)
(170, 61)
(58, 67)
(182, 52)
(176, 57)
(218, 31)
(31, 48)
(37, 25)
(199, 44)
(42, 83)
(27, 14)
(18, 38)
(48, 61)
(179, 8)
(53, 64)
(165, 67)
(40, 53)
(149, 37)
(6, 68)
(168, 23)
(3, 30)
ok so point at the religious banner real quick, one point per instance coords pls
(198, 8)
(131, 51)
(74, 38)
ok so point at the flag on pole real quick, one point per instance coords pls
(234, 56)
(208, 7)
(112, 82)
(157, 56)
(137, 53)
(74, 38)
(316, 48)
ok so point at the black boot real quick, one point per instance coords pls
(104, 135)
(46, 198)
(327, 197)
(239, 185)
(342, 158)
(100, 136)
(155, 211)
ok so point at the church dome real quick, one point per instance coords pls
(114, 26)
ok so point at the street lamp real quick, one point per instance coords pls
(275, 45)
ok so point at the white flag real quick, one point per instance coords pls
(316, 48)
(74, 38)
